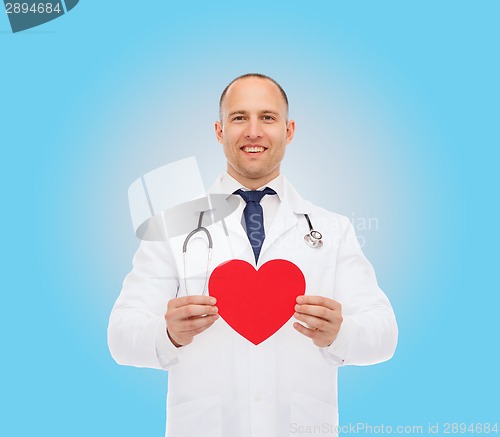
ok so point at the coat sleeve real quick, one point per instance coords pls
(369, 333)
(137, 328)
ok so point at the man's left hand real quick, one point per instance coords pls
(323, 317)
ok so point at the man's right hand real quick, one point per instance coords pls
(188, 316)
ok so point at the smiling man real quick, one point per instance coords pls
(220, 382)
(254, 130)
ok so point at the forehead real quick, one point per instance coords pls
(253, 94)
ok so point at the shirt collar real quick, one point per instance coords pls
(229, 185)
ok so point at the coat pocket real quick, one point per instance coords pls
(312, 417)
(201, 417)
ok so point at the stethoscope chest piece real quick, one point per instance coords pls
(313, 238)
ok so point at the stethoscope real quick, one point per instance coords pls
(200, 228)
(313, 239)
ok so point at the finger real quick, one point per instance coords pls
(320, 301)
(186, 337)
(203, 328)
(191, 300)
(181, 334)
(200, 317)
(319, 338)
(192, 311)
(308, 332)
(189, 325)
(316, 310)
(177, 315)
(312, 321)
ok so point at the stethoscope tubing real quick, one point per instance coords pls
(195, 231)
(313, 239)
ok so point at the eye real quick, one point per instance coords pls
(238, 118)
(268, 118)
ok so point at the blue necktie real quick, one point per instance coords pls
(254, 217)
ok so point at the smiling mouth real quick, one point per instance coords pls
(253, 149)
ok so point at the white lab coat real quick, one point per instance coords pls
(221, 385)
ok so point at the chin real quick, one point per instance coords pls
(254, 175)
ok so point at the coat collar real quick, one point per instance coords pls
(291, 206)
(288, 195)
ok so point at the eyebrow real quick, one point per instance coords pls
(236, 112)
(269, 111)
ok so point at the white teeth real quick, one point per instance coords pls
(253, 149)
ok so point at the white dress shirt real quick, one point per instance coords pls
(269, 203)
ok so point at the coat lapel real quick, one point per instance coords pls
(291, 206)
(239, 245)
(284, 220)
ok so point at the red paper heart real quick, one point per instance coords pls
(256, 303)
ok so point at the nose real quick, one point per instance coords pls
(253, 129)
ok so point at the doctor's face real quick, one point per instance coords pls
(254, 131)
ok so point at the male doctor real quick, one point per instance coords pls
(221, 384)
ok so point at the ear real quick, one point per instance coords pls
(219, 132)
(290, 130)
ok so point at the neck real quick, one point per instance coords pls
(253, 183)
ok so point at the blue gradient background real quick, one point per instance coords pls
(397, 114)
